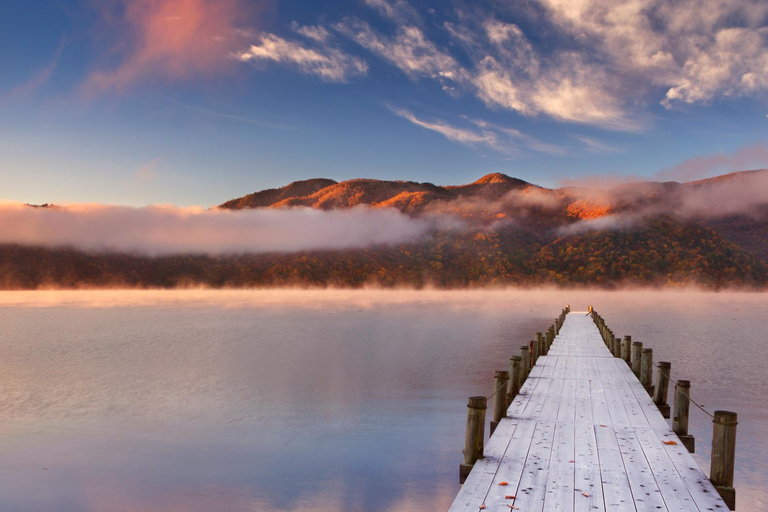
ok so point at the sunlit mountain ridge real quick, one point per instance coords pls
(710, 233)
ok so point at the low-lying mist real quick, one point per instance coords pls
(161, 230)
(166, 230)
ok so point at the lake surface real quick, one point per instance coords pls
(290, 400)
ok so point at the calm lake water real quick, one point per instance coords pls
(314, 400)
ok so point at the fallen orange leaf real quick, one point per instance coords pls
(603, 425)
(584, 493)
(669, 442)
(503, 483)
(571, 461)
(509, 497)
(482, 506)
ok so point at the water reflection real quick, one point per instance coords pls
(287, 400)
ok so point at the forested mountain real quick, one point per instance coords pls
(711, 233)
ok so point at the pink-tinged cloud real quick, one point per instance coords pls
(157, 230)
(747, 157)
(166, 40)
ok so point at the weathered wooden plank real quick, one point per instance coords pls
(532, 486)
(587, 477)
(473, 492)
(645, 490)
(677, 497)
(561, 474)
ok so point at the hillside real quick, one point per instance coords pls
(711, 233)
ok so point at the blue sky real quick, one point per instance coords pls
(194, 102)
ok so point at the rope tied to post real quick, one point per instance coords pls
(684, 393)
(503, 386)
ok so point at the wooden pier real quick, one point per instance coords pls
(583, 433)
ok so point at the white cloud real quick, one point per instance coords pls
(602, 63)
(409, 50)
(697, 50)
(568, 89)
(326, 62)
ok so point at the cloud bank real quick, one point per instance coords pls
(159, 230)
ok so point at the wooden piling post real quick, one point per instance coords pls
(646, 369)
(474, 437)
(500, 380)
(723, 455)
(637, 351)
(662, 388)
(537, 347)
(680, 415)
(617, 347)
(514, 378)
(626, 346)
(525, 368)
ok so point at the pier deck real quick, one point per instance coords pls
(584, 435)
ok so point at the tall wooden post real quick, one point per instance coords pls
(500, 380)
(474, 437)
(525, 369)
(514, 378)
(723, 455)
(617, 347)
(637, 351)
(537, 347)
(662, 388)
(646, 369)
(680, 414)
(626, 353)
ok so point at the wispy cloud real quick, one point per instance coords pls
(38, 80)
(326, 62)
(499, 138)
(229, 117)
(518, 136)
(409, 50)
(453, 133)
(595, 146)
(399, 11)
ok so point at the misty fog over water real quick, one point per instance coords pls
(283, 400)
